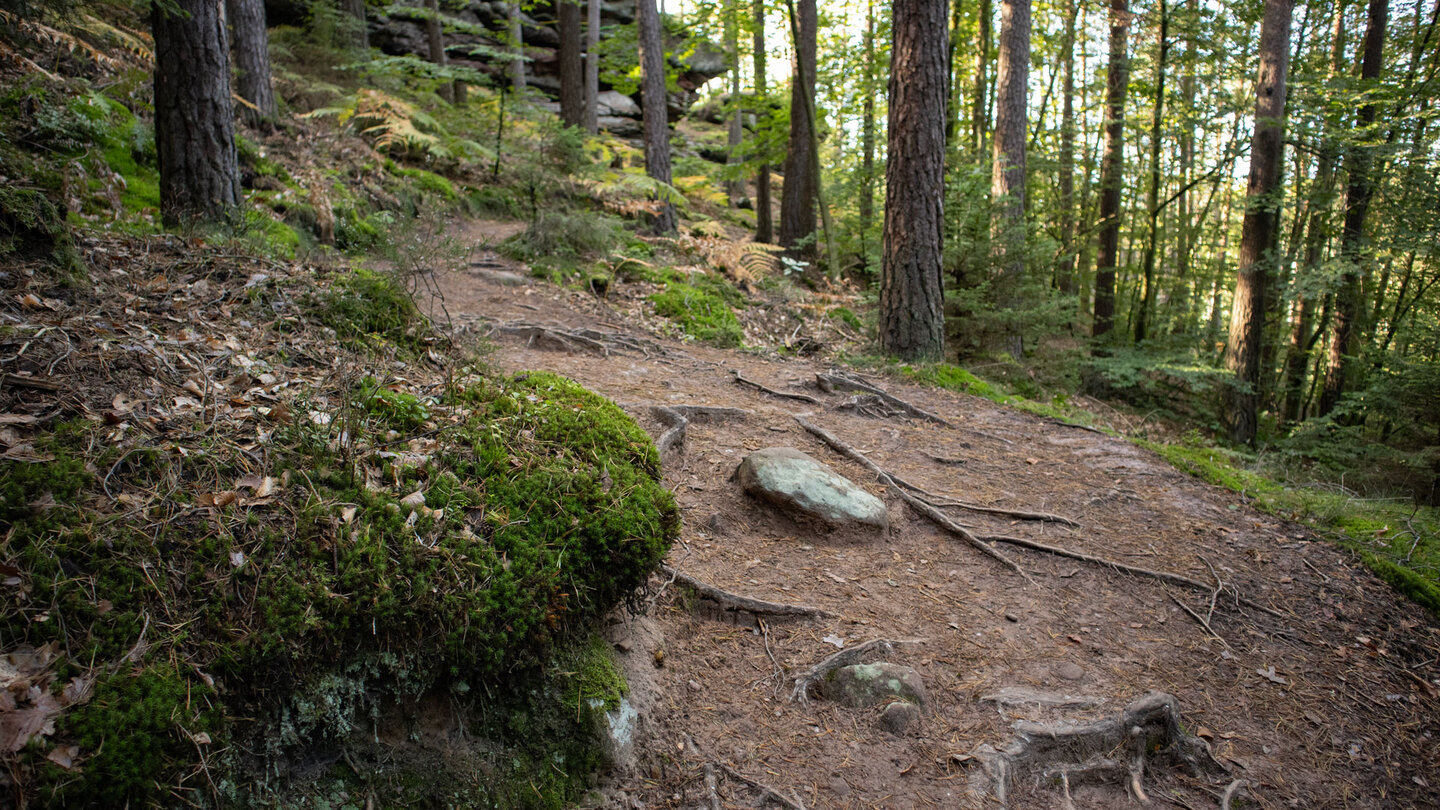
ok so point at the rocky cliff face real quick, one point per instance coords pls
(619, 112)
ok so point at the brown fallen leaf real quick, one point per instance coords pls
(219, 500)
(64, 756)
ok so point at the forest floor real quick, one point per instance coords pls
(1321, 691)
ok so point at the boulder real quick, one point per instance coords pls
(613, 102)
(794, 481)
(860, 686)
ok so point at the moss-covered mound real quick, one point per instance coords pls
(204, 644)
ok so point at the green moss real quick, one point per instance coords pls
(700, 313)
(591, 675)
(954, 378)
(846, 316)
(370, 310)
(395, 408)
(137, 734)
(429, 183)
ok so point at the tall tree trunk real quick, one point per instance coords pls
(1262, 217)
(1007, 179)
(797, 196)
(807, 79)
(1152, 200)
(1112, 165)
(194, 119)
(652, 100)
(1065, 271)
(356, 9)
(980, 109)
(764, 216)
(572, 77)
(736, 187)
(912, 322)
(436, 41)
(867, 139)
(517, 47)
(251, 45)
(1348, 302)
(592, 67)
(952, 100)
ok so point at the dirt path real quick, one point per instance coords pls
(1330, 703)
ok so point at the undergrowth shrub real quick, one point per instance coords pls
(699, 312)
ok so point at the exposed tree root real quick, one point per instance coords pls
(1114, 749)
(712, 786)
(547, 337)
(995, 510)
(872, 406)
(732, 604)
(676, 418)
(844, 658)
(766, 792)
(1231, 791)
(833, 380)
(935, 515)
(735, 374)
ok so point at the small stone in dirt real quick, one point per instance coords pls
(863, 685)
(793, 480)
(1070, 671)
(900, 717)
(839, 787)
(1011, 617)
(505, 278)
(694, 685)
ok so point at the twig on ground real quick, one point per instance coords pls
(935, 515)
(779, 670)
(1197, 617)
(944, 459)
(734, 603)
(739, 378)
(835, 380)
(1312, 567)
(766, 791)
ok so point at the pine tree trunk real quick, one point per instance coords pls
(980, 109)
(764, 215)
(1179, 306)
(652, 101)
(1152, 202)
(435, 38)
(1112, 165)
(1065, 271)
(251, 46)
(517, 45)
(867, 139)
(1007, 180)
(1262, 217)
(912, 322)
(953, 102)
(735, 188)
(797, 195)
(572, 79)
(194, 119)
(592, 67)
(1348, 302)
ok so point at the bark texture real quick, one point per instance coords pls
(1344, 343)
(1112, 165)
(251, 46)
(911, 314)
(735, 188)
(572, 78)
(435, 39)
(980, 109)
(797, 196)
(1007, 179)
(517, 46)
(194, 119)
(1152, 195)
(1065, 271)
(867, 139)
(652, 95)
(1262, 217)
(764, 216)
(592, 67)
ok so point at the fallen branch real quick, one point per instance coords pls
(995, 510)
(731, 603)
(1149, 724)
(738, 378)
(935, 515)
(833, 380)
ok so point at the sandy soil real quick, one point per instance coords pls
(1331, 702)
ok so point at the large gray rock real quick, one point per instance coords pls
(795, 481)
(863, 685)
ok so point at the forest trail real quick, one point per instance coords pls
(1329, 701)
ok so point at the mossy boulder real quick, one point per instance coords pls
(283, 624)
(863, 685)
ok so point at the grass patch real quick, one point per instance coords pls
(1401, 545)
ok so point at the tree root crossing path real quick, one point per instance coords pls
(1092, 628)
